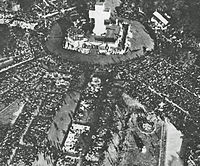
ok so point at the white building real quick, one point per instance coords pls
(159, 20)
(160, 17)
(100, 15)
(106, 38)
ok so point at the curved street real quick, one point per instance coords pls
(140, 39)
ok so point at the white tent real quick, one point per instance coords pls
(160, 17)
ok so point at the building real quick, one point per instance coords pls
(109, 36)
(160, 21)
(160, 17)
(100, 14)
(105, 32)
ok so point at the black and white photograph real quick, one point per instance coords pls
(99, 82)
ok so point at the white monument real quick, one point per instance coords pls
(100, 15)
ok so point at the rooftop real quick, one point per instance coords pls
(160, 17)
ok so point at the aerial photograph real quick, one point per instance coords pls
(99, 82)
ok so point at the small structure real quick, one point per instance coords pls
(160, 17)
(100, 15)
(109, 36)
(160, 21)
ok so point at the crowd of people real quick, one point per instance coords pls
(151, 79)
(42, 100)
